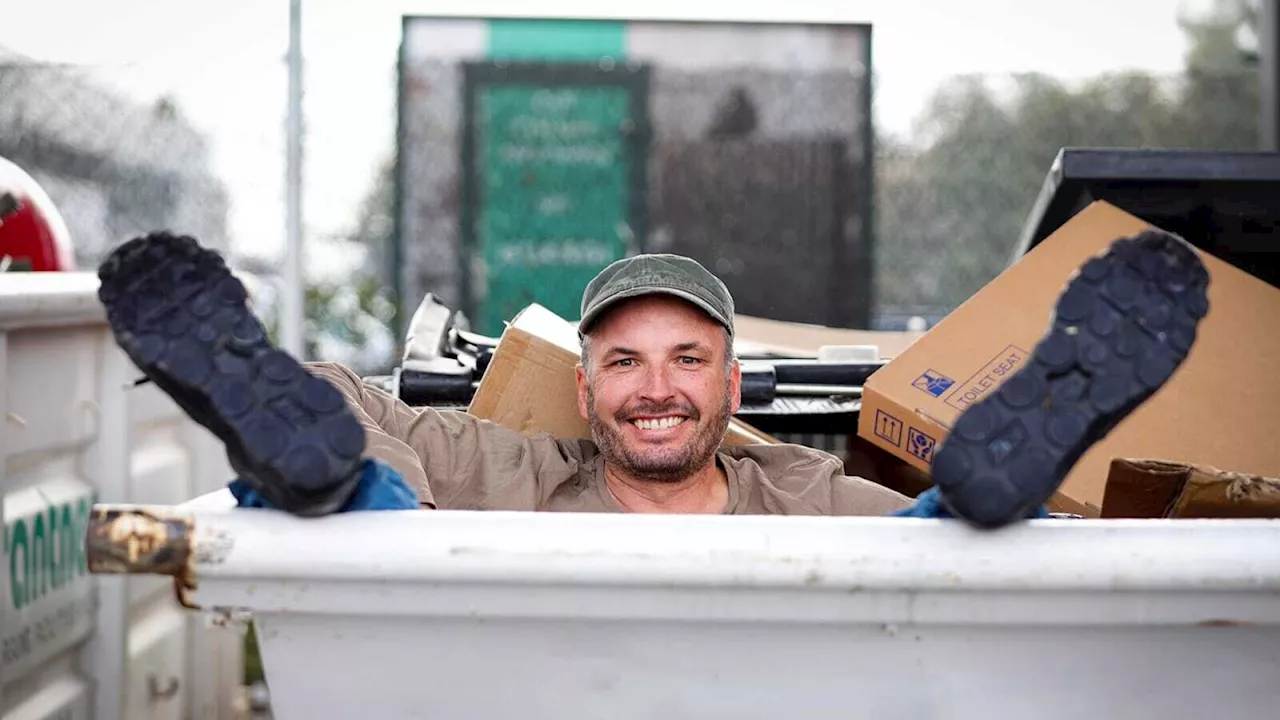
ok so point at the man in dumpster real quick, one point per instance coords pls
(658, 383)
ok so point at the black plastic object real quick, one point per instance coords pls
(483, 358)
(809, 372)
(1224, 203)
(425, 388)
(759, 385)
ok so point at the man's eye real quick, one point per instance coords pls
(689, 360)
(624, 362)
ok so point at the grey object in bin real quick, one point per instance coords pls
(431, 368)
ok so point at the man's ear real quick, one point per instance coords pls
(581, 374)
(735, 386)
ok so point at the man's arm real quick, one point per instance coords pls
(453, 460)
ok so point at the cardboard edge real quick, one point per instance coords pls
(488, 396)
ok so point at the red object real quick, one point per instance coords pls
(33, 235)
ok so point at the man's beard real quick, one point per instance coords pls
(654, 464)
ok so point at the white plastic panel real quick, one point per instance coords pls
(66, 697)
(50, 420)
(78, 646)
(157, 662)
(49, 600)
(51, 392)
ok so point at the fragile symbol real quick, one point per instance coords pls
(920, 445)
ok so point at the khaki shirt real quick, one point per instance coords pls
(456, 461)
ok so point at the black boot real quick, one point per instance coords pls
(181, 317)
(1122, 326)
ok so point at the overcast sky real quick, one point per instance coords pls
(224, 63)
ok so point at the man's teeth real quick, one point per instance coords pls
(659, 423)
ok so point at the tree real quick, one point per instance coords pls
(952, 203)
(375, 221)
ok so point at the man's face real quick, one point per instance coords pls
(658, 392)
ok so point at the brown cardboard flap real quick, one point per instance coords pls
(1210, 493)
(1142, 488)
(1159, 489)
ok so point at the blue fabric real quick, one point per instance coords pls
(380, 488)
(929, 505)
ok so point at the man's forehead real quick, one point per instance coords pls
(622, 346)
(650, 309)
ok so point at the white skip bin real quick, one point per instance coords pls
(426, 614)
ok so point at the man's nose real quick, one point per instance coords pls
(657, 384)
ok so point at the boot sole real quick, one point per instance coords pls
(1121, 328)
(180, 316)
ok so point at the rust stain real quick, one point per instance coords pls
(142, 541)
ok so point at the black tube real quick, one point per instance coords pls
(422, 388)
(758, 385)
(816, 373)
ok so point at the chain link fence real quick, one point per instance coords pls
(119, 163)
(951, 201)
(114, 166)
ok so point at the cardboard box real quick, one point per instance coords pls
(530, 385)
(1220, 409)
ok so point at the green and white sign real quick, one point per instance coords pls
(49, 594)
(554, 195)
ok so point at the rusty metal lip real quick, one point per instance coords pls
(143, 540)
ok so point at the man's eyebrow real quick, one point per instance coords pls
(682, 347)
(695, 345)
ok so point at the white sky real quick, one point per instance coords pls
(224, 62)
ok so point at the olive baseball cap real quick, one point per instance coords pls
(657, 274)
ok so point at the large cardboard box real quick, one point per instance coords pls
(530, 385)
(1220, 409)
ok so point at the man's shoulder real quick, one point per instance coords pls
(783, 465)
(779, 456)
(787, 479)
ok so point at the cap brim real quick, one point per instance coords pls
(600, 308)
